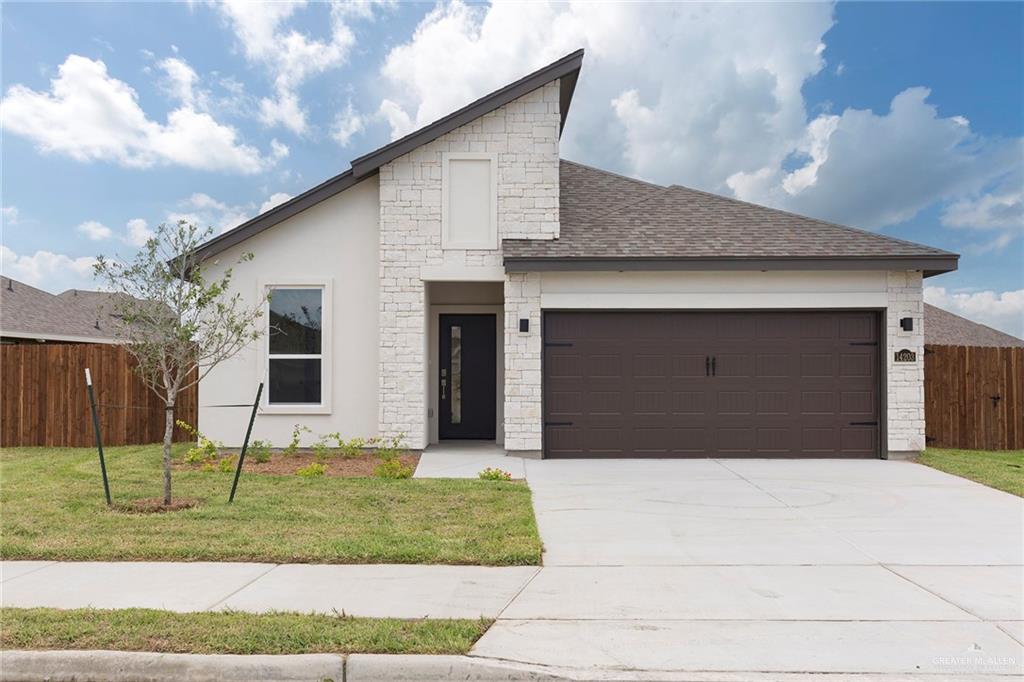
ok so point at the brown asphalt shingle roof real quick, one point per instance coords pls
(73, 314)
(943, 328)
(604, 215)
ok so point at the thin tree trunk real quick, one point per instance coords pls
(168, 437)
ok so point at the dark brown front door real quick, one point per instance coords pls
(469, 377)
(711, 384)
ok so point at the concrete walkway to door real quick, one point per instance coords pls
(825, 566)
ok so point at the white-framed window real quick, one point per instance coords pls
(469, 200)
(297, 352)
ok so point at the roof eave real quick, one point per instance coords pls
(929, 265)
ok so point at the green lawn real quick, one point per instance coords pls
(51, 507)
(1001, 469)
(232, 632)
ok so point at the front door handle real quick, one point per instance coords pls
(444, 383)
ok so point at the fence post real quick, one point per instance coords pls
(96, 428)
(245, 443)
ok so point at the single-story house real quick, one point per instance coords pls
(31, 315)
(943, 328)
(465, 282)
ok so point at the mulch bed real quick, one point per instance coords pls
(155, 505)
(343, 467)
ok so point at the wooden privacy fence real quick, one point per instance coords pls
(43, 400)
(974, 397)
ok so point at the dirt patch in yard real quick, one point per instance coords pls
(155, 505)
(286, 465)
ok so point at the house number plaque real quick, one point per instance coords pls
(905, 355)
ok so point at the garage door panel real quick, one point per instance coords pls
(735, 402)
(639, 384)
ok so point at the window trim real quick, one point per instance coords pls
(325, 285)
(490, 241)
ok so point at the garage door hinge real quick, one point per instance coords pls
(557, 423)
(863, 423)
(557, 344)
(863, 343)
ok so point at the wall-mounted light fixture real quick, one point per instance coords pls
(907, 324)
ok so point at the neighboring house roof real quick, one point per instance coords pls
(611, 221)
(566, 70)
(943, 328)
(74, 315)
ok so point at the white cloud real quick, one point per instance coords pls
(180, 80)
(872, 170)
(274, 200)
(289, 56)
(138, 232)
(10, 215)
(94, 230)
(703, 94)
(1001, 310)
(204, 211)
(91, 116)
(54, 272)
(347, 124)
(673, 92)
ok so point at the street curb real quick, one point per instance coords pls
(138, 666)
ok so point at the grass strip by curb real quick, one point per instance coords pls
(999, 469)
(232, 632)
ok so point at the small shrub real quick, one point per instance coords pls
(393, 468)
(293, 445)
(321, 449)
(227, 464)
(351, 448)
(205, 451)
(389, 448)
(490, 474)
(259, 450)
(311, 470)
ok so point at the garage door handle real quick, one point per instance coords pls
(863, 423)
(707, 365)
(557, 423)
(714, 370)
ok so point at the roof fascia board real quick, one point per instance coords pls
(930, 266)
(569, 64)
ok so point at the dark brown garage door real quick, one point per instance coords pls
(711, 384)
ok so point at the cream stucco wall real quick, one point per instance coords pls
(335, 241)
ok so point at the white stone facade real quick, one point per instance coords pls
(905, 380)
(523, 136)
(523, 382)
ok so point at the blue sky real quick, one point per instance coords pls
(905, 118)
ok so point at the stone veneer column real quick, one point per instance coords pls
(905, 385)
(523, 135)
(523, 417)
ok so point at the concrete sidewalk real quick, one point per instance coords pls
(376, 591)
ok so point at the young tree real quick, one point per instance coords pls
(175, 323)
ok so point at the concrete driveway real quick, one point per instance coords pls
(757, 566)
